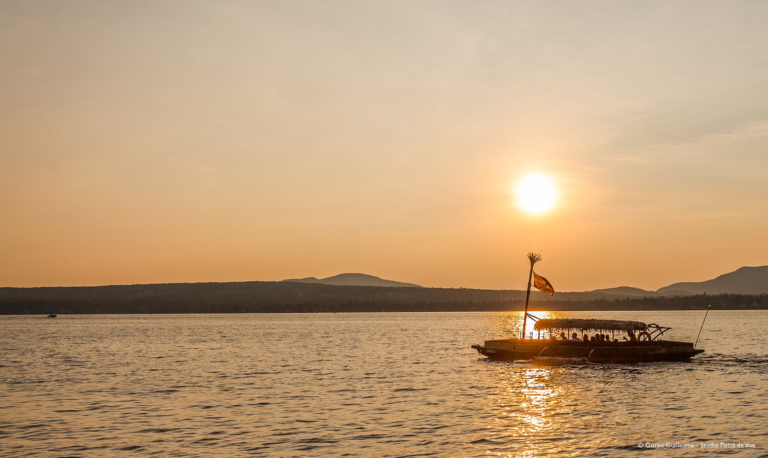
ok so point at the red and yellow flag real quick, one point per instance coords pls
(542, 284)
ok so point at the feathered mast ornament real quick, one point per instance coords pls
(534, 258)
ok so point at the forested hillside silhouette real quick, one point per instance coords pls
(283, 297)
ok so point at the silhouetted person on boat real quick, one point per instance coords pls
(563, 336)
(632, 337)
(575, 338)
(585, 337)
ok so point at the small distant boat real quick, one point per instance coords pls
(51, 315)
(647, 346)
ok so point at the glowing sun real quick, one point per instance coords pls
(536, 193)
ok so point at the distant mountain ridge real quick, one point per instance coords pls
(746, 280)
(353, 279)
(366, 293)
(625, 291)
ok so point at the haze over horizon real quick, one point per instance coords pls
(191, 142)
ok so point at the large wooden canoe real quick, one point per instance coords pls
(645, 347)
(596, 352)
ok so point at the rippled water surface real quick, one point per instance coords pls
(389, 384)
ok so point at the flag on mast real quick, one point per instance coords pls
(542, 284)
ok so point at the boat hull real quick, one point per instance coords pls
(621, 352)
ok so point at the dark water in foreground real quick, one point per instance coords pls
(389, 384)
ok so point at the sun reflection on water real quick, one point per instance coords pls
(533, 402)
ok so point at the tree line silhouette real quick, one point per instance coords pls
(287, 297)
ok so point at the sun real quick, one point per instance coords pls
(536, 193)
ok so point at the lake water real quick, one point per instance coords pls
(382, 384)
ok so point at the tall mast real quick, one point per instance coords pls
(534, 258)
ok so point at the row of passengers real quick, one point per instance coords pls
(596, 338)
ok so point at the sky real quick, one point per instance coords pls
(196, 141)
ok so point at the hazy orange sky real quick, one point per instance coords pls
(145, 141)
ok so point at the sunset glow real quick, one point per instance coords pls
(342, 228)
(536, 194)
(263, 141)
